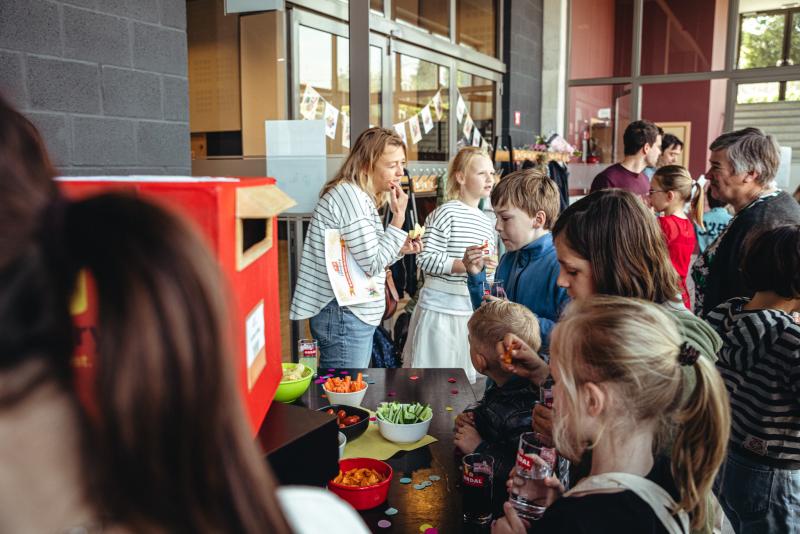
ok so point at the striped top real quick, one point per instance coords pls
(449, 230)
(760, 363)
(351, 211)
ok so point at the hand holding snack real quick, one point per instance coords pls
(417, 232)
(518, 358)
(475, 259)
(412, 246)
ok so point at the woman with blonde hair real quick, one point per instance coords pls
(618, 368)
(349, 202)
(437, 332)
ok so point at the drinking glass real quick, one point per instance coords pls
(476, 488)
(535, 462)
(308, 353)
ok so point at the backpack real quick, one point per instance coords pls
(384, 353)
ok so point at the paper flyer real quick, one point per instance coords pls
(427, 119)
(350, 283)
(346, 130)
(476, 137)
(461, 108)
(468, 128)
(400, 128)
(437, 105)
(413, 126)
(331, 120)
(308, 105)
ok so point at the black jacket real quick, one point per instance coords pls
(717, 275)
(501, 417)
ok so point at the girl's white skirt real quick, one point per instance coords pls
(439, 339)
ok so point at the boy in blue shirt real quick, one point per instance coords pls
(526, 203)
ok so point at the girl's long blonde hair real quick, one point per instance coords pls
(360, 163)
(459, 165)
(677, 179)
(634, 346)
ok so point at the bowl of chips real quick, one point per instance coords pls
(294, 382)
(363, 482)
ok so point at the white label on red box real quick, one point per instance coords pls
(254, 333)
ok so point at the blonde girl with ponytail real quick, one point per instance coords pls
(618, 366)
(671, 189)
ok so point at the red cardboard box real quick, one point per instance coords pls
(238, 218)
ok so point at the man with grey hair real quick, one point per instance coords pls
(743, 166)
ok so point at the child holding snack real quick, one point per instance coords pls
(760, 363)
(437, 332)
(670, 190)
(493, 426)
(527, 204)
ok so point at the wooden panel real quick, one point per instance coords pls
(214, 93)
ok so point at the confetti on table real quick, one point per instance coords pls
(432, 530)
(370, 381)
(425, 527)
(320, 380)
(405, 480)
(391, 511)
(391, 394)
(343, 373)
(448, 408)
(373, 418)
(324, 396)
(451, 380)
(420, 486)
(426, 483)
(435, 477)
(364, 375)
(331, 370)
(454, 391)
(414, 377)
(384, 523)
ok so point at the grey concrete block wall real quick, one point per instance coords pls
(522, 83)
(105, 81)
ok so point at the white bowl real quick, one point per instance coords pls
(404, 433)
(342, 443)
(348, 399)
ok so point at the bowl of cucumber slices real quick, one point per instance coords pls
(402, 422)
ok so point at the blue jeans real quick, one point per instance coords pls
(758, 498)
(344, 339)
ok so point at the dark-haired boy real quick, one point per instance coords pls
(642, 142)
(526, 204)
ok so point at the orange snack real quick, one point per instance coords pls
(359, 478)
(348, 385)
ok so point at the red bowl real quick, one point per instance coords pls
(367, 497)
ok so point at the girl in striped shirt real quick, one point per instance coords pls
(760, 363)
(349, 202)
(437, 333)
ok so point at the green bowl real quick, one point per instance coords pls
(292, 390)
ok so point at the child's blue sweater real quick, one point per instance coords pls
(529, 278)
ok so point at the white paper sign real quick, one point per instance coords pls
(427, 119)
(254, 333)
(346, 130)
(331, 120)
(413, 125)
(350, 283)
(437, 105)
(308, 105)
(400, 128)
(461, 108)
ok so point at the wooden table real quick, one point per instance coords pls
(438, 505)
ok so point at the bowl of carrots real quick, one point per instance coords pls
(345, 390)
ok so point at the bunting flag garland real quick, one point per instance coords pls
(437, 105)
(346, 130)
(461, 108)
(308, 106)
(419, 124)
(331, 118)
(427, 119)
(413, 126)
(400, 128)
